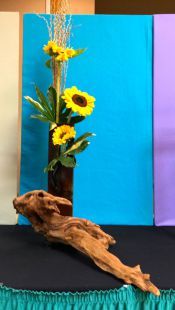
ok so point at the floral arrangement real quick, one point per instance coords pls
(63, 107)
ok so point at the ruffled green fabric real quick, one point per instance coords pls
(125, 298)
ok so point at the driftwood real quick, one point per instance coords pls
(43, 211)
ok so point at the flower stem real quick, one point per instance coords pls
(69, 117)
(63, 149)
(58, 90)
(57, 85)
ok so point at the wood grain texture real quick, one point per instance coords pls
(43, 211)
(134, 7)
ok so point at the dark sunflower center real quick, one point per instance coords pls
(79, 100)
(62, 135)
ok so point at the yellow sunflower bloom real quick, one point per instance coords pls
(59, 52)
(62, 134)
(70, 52)
(62, 56)
(78, 101)
(48, 49)
(57, 49)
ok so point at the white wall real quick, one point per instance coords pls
(9, 81)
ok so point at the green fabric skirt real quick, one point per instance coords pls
(126, 298)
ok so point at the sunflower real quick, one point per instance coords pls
(70, 52)
(62, 134)
(78, 101)
(57, 50)
(62, 56)
(50, 47)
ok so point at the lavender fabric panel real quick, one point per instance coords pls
(164, 119)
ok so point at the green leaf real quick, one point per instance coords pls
(43, 102)
(51, 165)
(40, 117)
(52, 126)
(52, 96)
(41, 96)
(62, 104)
(48, 63)
(78, 143)
(84, 136)
(64, 116)
(35, 104)
(79, 51)
(68, 161)
(39, 108)
(66, 113)
(76, 119)
(73, 147)
(82, 146)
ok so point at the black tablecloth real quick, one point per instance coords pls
(27, 261)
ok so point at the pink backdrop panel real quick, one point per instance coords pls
(164, 119)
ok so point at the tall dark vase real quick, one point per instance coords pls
(60, 181)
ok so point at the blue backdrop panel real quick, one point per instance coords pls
(34, 148)
(113, 182)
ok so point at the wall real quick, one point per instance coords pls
(37, 6)
(9, 64)
(134, 6)
(83, 6)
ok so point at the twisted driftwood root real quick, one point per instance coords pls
(43, 211)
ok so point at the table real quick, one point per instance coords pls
(36, 273)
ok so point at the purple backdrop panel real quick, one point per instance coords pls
(164, 119)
